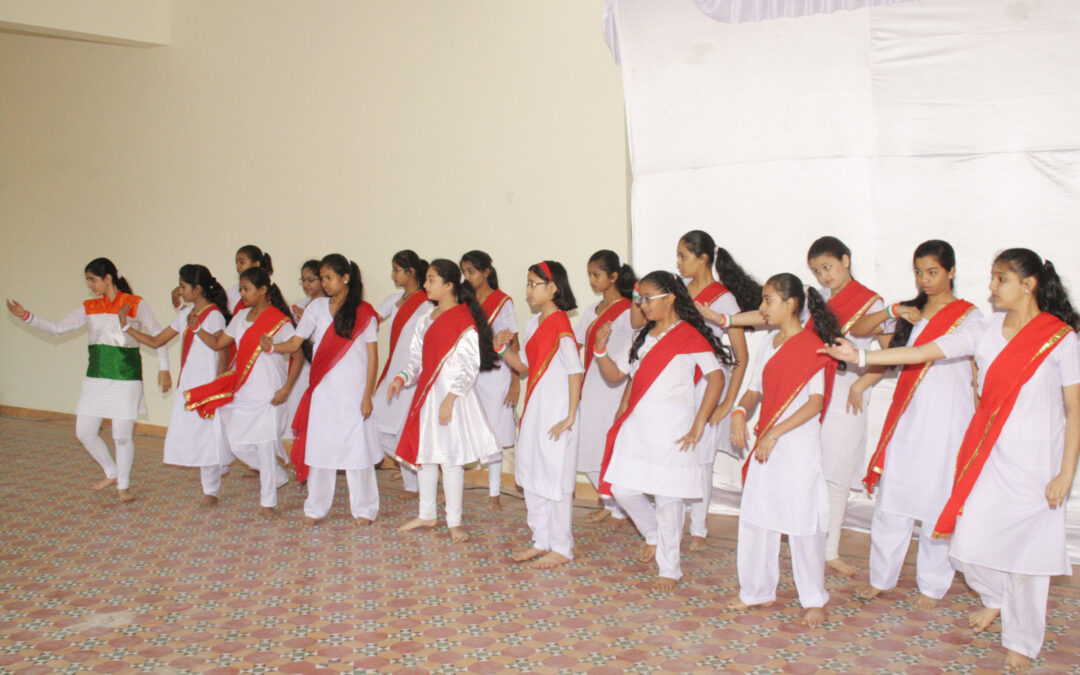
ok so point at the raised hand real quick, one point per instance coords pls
(503, 338)
(266, 343)
(602, 335)
(842, 350)
(711, 316)
(192, 320)
(122, 314)
(298, 312)
(18, 310)
(176, 301)
(910, 314)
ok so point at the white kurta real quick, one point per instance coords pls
(544, 466)
(718, 436)
(1006, 523)
(391, 416)
(250, 418)
(192, 440)
(921, 456)
(647, 456)
(302, 381)
(101, 397)
(599, 398)
(787, 493)
(468, 437)
(492, 386)
(338, 436)
(232, 296)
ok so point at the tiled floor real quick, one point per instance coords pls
(162, 585)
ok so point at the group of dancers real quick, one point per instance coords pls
(979, 447)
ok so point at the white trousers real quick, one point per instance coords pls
(758, 562)
(210, 477)
(699, 508)
(661, 525)
(609, 502)
(363, 492)
(494, 478)
(388, 445)
(453, 489)
(890, 536)
(271, 476)
(86, 430)
(550, 521)
(838, 499)
(1021, 599)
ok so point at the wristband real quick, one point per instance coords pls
(740, 409)
(600, 355)
(891, 310)
(399, 377)
(403, 376)
(725, 321)
(126, 328)
(502, 350)
(862, 357)
(29, 315)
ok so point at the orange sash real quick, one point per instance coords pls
(542, 347)
(189, 335)
(401, 317)
(207, 398)
(1005, 377)
(607, 316)
(947, 320)
(441, 338)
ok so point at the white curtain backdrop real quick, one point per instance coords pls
(737, 11)
(885, 126)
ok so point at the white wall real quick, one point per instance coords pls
(305, 128)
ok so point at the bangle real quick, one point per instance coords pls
(892, 310)
(600, 355)
(725, 321)
(126, 327)
(862, 357)
(740, 409)
(29, 315)
(502, 350)
(403, 376)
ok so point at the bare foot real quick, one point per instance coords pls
(269, 512)
(527, 554)
(697, 543)
(841, 567)
(125, 496)
(814, 617)
(664, 584)
(209, 501)
(1016, 662)
(415, 523)
(459, 534)
(925, 602)
(867, 592)
(494, 505)
(980, 619)
(648, 552)
(364, 522)
(552, 559)
(102, 484)
(395, 475)
(408, 494)
(616, 524)
(312, 522)
(739, 606)
(596, 517)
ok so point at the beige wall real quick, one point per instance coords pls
(306, 128)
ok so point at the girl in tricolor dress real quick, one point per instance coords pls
(192, 440)
(405, 309)
(1005, 515)
(545, 462)
(446, 427)
(112, 388)
(614, 281)
(334, 427)
(783, 483)
(498, 389)
(651, 447)
(913, 463)
(251, 396)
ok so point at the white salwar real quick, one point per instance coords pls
(785, 495)
(599, 400)
(100, 398)
(647, 459)
(916, 479)
(338, 436)
(1008, 541)
(391, 414)
(192, 440)
(253, 425)
(545, 468)
(492, 387)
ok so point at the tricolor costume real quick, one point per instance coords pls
(113, 387)
(492, 386)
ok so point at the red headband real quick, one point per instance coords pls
(547, 270)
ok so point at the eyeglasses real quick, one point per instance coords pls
(646, 299)
(534, 284)
(308, 280)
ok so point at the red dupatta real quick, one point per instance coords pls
(441, 338)
(947, 320)
(189, 335)
(1005, 377)
(401, 318)
(784, 376)
(613, 312)
(493, 304)
(682, 339)
(542, 347)
(710, 293)
(207, 398)
(332, 348)
(850, 304)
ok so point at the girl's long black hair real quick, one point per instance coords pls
(257, 257)
(212, 290)
(1050, 292)
(450, 273)
(408, 260)
(564, 297)
(482, 262)
(608, 262)
(946, 257)
(825, 324)
(345, 318)
(666, 282)
(100, 267)
(745, 288)
(260, 278)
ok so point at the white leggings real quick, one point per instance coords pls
(210, 476)
(453, 488)
(495, 478)
(87, 428)
(1021, 599)
(661, 525)
(609, 502)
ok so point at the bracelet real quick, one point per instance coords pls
(740, 409)
(125, 328)
(28, 317)
(725, 321)
(892, 310)
(862, 357)
(404, 377)
(399, 377)
(774, 438)
(600, 355)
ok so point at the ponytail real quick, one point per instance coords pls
(257, 257)
(450, 273)
(943, 252)
(103, 267)
(1050, 293)
(564, 296)
(260, 278)
(788, 286)
(212, 290)
(345, 318)
(745, 288)
(482, 262)
(608, 262)
(408, 260)
(685, 309)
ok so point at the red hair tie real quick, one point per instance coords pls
(547, 270)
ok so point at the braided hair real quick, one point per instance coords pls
(666, 282)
